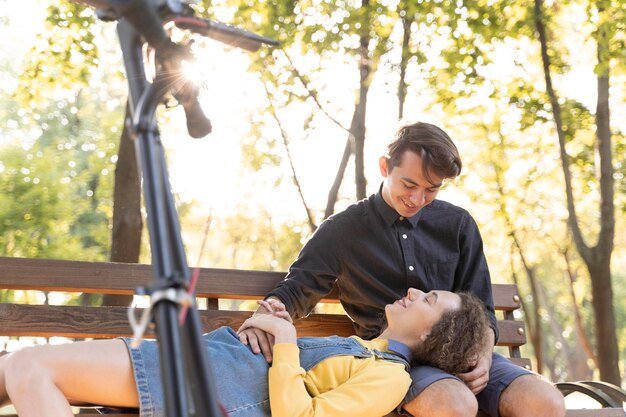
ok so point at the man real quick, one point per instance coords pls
(404, 237)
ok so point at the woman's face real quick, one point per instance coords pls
(415, 314)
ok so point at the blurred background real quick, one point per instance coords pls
(532, 93)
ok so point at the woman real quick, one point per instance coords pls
(330, 376)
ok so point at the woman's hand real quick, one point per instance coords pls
(259, 340)
(276, 308)
(282, 330)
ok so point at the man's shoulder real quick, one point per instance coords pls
(356, 210)
(440, 209)
(352, 217)
(446, 206)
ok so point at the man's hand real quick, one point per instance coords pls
(283, 331)
(259, 340)
(476, 380)
(276, 307)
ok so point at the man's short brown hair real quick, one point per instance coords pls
(439, 154)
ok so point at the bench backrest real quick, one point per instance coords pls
(213, 284)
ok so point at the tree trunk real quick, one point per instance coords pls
(334, 189)
(600, 269)
(606, 339)
(127, 220)
(358, 122)
(404, 60)
(572, 355)
(533, 317)
(536, 330)
(597, 258)
(580, 328)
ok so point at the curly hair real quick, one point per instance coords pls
(457, 339)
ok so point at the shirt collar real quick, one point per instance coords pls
(389, 215)
(400, 349)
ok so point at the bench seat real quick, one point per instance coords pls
(214, 284)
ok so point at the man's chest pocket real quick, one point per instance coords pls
(440, 275)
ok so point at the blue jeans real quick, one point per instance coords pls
(240, 376)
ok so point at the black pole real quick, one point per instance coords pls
(188, 384)
(186, 376)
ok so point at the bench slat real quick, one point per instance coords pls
(511, 333)
(105, 322)
(120, 278)
(99, 322)
(601, 412)
(604, 412)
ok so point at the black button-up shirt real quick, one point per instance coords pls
(374, 255)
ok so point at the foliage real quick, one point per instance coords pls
(244, 241)
(68, 124)
(64, 57)
(57, 190)
(319, 40)
(494, 102)
(474, 69)
(58, 144)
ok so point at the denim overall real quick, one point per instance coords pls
(240, 376)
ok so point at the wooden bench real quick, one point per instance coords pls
(213, 285)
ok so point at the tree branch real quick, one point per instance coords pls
(312, 93)
(284, 136)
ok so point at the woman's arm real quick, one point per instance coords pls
(372, 391)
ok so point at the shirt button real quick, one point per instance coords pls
(411, 268)
(401, 218)
(404, 236)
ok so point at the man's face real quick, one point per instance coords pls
(405, 188)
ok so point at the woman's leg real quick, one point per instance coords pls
(45, 380)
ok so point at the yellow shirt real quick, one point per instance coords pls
(340, 386)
